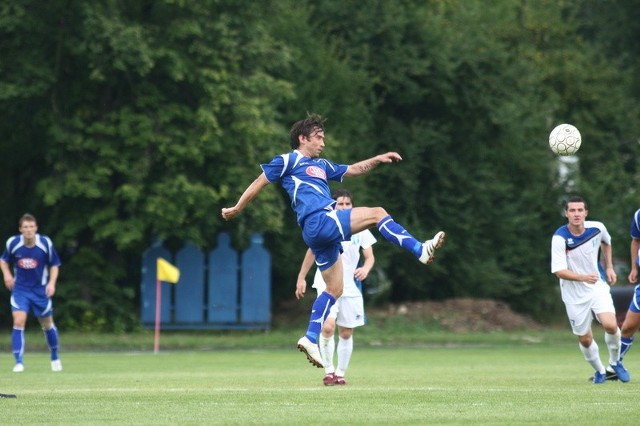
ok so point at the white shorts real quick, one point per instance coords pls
(581, 315)
(348, 312)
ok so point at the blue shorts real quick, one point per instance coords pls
(32, 300)
(634, 306)
(324, 232)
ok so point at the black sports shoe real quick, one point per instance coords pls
(7, 395)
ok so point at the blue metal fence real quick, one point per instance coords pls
(218, 290)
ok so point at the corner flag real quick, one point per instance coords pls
(167, 272)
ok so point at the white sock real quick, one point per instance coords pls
(592, 355)
(345, 349)
(613, 344)
(327, 346)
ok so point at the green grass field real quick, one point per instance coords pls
(501, 378)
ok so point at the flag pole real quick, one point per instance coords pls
(156, 340)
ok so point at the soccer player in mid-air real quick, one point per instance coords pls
(574, 260)
(36, 264)
(348, 312)
(304, 176)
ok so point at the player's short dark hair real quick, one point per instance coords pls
(27, 217)
(575, 199)
(305, 127)
(342, 193)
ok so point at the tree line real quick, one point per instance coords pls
(125, 122)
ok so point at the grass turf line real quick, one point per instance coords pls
(492, 384)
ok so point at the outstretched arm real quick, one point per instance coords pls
(366, 166)
(249, 194)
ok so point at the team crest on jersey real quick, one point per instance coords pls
(27, 263)
(316, 171)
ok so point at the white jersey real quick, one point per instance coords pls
(578, 254)
(350, 258)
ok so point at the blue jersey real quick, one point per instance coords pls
(30, 264)
(635, 225)
(305, 180)
(635, 228)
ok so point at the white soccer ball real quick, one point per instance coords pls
(565, 139)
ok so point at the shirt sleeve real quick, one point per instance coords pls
(334, 171)
(635, 225)
(274, 169)
(367, 239)
(558, 254)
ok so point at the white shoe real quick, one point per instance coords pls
(56, 365)
(310, 350)
(18, 368)
(429, 247)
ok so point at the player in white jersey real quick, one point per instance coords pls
(348, 311)
(574, 260)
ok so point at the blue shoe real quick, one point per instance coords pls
(621, 372)
(610, 375)
(599, 378)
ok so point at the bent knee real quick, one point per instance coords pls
(379, 213)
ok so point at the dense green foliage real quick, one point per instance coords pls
(127, 121)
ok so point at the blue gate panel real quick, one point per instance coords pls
(255, 294)
(189, 291)
(223, 282)
(148, 287)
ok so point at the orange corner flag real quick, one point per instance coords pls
(167, 272)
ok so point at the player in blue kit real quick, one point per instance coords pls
(574, 260)
(632, 319)
(36, 266)
(304, 175)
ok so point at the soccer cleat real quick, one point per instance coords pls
(340, 381)
(621, 372)
(311, 351)
(18, 368)
(56, 365)
(8, 395)
(609, 375)
(329, 379)
(599, 378)
(429, 248)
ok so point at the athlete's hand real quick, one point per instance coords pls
(389, 157)
(360, 274)
(9, 282)
(591, 278)
(301, 288)
(229, 213)
(50, 290)
(633, 276)
(611, 276)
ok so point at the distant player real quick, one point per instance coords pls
(36, 265)
(348, 312)
(574, 260)
(304, 175)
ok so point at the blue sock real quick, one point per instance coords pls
(51, 337)
(625, 345)
(17, 344)
(394, 232)
(319, 312)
